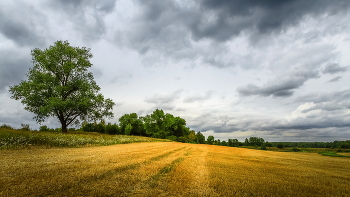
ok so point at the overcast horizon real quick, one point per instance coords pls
(234, 69)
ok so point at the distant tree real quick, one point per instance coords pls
(44, 128)
(25, 127)
(263, 146)
(256, 141)
(233, 142)
(131, 124)
(223, 143)
(268, 144)
(280, 145)
(192, 136)
(112, 129)
(210, 139)
(246, 142)
(200, 138)
(61, 86)
(5, 126)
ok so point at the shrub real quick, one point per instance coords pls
(280, 145)
(295, 149)
(263, 146)
(112, 129)
(89, 127)
(5, 126)
(268, 144)
(44, 128)
(183, 139)
(25, 127)
(71, 129)
(172, 138)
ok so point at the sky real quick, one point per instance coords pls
(234, 69)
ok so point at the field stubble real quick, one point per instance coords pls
(170, 169)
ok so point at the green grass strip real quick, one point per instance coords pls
(332, 154)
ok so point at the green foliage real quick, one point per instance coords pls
(19, 139)
(268, 144)
(210, 139)
(295, 149)
(254, 141)
(131, 124)
(223, 143)
(60, 85)
(44, 128)
(160, 125)
(200, 138)
(192, 136)
(280, 145)
(183, 139)
(99, 128)
(233, 142)
(332, 154)
(25, 127)
(89, 127)
(263, 146)
(5, 126)
(172, 138)
(112, 129)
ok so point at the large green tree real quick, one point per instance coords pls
(60, 85)
(131, 124)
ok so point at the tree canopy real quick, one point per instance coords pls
(60, 85)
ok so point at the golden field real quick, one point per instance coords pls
(170, 169)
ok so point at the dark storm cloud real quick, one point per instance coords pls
(23, 25)
(278, 88)
(231, 18)
(334, 68)
(335, 79)
(222, 20)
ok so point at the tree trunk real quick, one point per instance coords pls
(64, 127)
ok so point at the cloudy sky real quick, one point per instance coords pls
(231, 68)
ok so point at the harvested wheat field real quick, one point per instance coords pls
(170, 169)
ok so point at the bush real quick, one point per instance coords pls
(5, 126)
(172, 138)
(295, 149)
(263, 146)
(112, 129)
(71, 129)
(99, 128)
(183, 139)
(280, 145)
(89, 127)
(268, 144)
(25, 127)
(44, 128)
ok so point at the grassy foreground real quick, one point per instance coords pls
(170, 169)
(19, 139)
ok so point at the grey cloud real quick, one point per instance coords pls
(87, 16)
(17, 24)
(334, 68)
(164, 101)
(12, 68)
(278, 88)
(335, 79)
(194, 98)
(231, 18)
(327, 106)
(325, 97)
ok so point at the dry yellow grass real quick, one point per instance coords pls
(170, 169)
